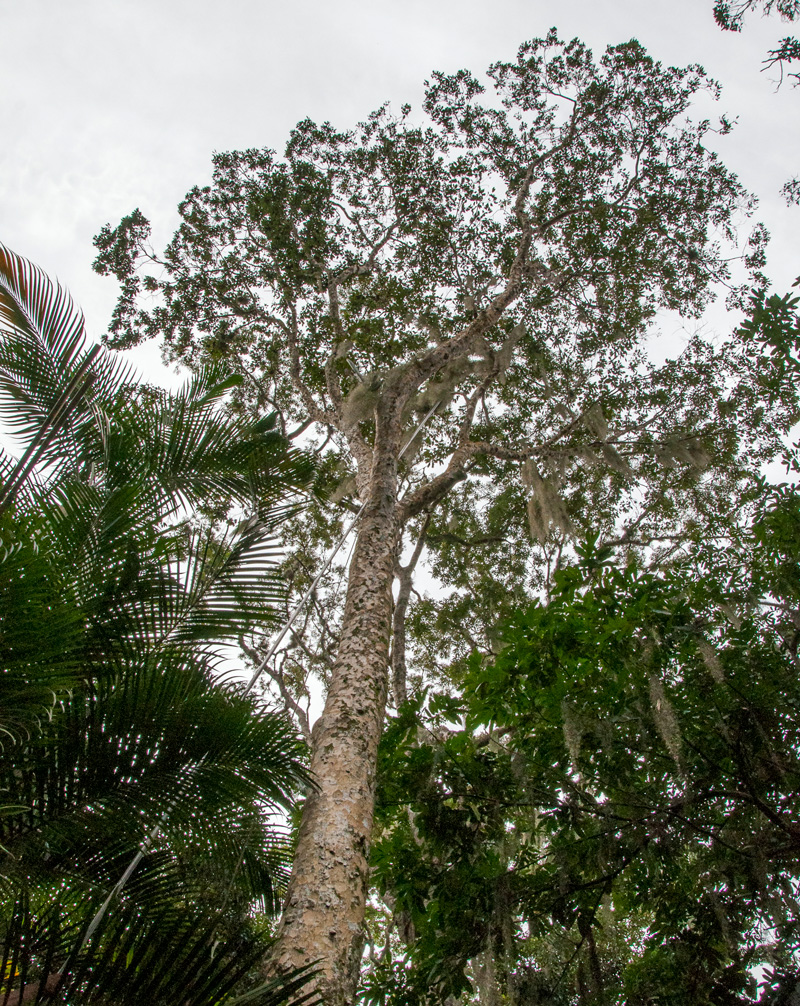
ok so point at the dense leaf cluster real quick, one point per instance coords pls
(120, 578)
(606, 812)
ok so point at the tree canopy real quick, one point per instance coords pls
(457, 313)
(578, 201)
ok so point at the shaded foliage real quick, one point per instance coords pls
(619, 801)
(605, 809)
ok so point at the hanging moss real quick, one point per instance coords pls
(545, 506)
(595, 421)
(362, 401)
(573, 733)
(711, 660)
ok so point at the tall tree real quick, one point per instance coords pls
(496, 269)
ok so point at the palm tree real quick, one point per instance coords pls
(137, 537)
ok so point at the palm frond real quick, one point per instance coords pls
(201, 454)
(129, 961)
(229, 583)
(116, 588)
(142, 585)
(46, 367)
(41, 629)
(115, 757)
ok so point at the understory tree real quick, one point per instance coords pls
(493, 272)
(606, 810)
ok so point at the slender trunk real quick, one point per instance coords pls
(590, 975)
(405, 575)
(324, 912)
(399, 691)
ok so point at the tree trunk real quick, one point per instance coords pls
(405, 575)
(324, 912)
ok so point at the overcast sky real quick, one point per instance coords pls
(113, 104)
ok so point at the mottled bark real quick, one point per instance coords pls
(323, 916)
(324, 912)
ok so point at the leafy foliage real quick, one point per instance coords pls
(606, 810)
(125, 567)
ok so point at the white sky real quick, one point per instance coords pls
(113, 104)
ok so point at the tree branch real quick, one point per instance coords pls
(433, 359)
(291, 704)
(315, 413)
(428, 495)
